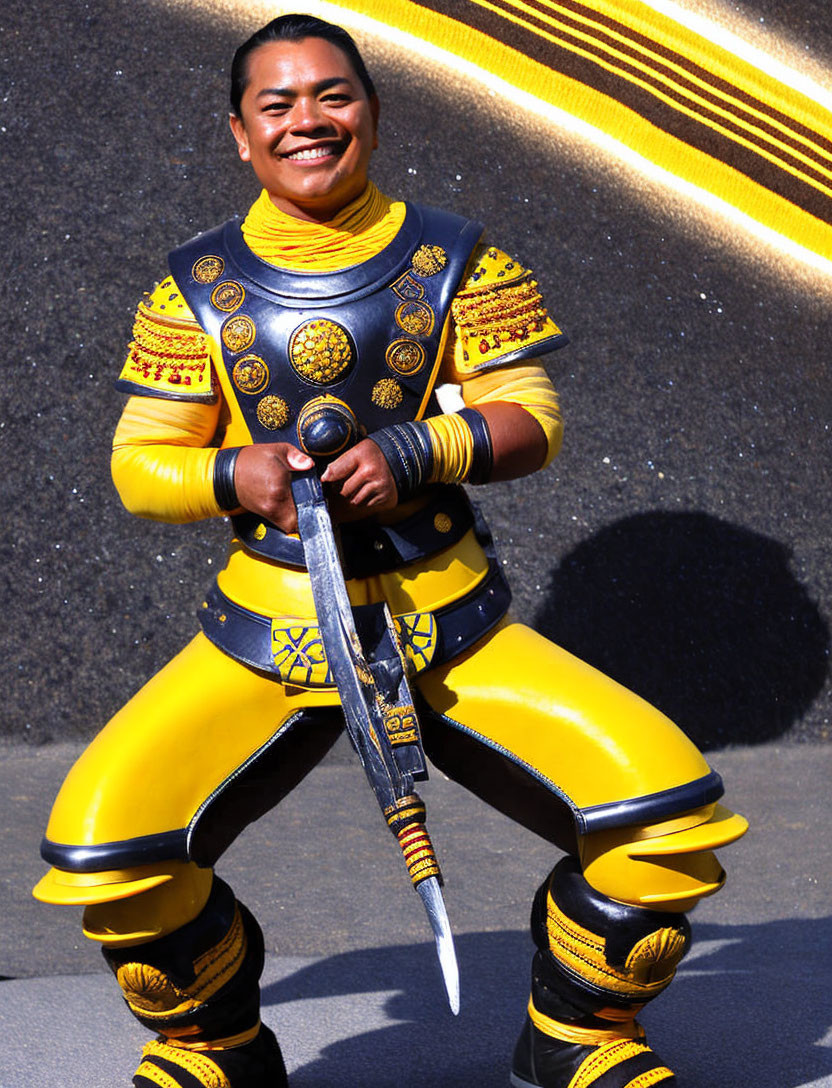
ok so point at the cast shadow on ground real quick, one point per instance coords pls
(702, 618)
(714, 1024)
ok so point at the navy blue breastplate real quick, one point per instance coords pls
(365, 341)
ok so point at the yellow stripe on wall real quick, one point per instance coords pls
(702, 114)
(673, 77)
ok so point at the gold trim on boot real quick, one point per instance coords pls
(583, 1036)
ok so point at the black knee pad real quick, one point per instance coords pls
(594, 952)
(202, 980)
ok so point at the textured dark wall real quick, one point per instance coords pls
(680, 541)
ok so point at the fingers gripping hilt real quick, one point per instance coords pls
(406, 819)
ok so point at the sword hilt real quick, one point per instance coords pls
(406, 819)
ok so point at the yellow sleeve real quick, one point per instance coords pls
(169, 356)
(160, 464)
(528, 385)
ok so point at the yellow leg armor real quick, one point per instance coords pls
(140, 791)
(131, 906)
(665, 866)
(127, 922)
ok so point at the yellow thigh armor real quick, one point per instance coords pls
(587, 753)
(160, 781)
(538, 733)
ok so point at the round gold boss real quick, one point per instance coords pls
(405, 356)
(227, 296)
(428, 260)
(320, 351)
(273, 413)
(207, 269)
(442, 523)
(250, 374)
(415, 318)
(238, 333)
(387, 393)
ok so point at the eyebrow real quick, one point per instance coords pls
(289, 92)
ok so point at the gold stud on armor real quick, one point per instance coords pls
(208, 269)
(238, 333)
(250, 374)
(405, 356)
(428, 260)
(415, 318)
(228, 295)
(273, 413)
(407, 288)
(387, 393)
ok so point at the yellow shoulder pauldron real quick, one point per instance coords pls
(169, 355)
(499, 314)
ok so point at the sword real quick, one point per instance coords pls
(378, 709)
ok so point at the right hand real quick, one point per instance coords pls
(263, 481)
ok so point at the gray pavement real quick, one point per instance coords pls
(351, 984)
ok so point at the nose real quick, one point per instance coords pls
(307, 114)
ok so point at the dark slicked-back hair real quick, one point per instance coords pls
(294, 28)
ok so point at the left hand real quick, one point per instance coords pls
(361, 482)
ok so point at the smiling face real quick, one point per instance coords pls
(307, 126)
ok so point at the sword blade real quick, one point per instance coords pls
(431, 895)
(361, 698)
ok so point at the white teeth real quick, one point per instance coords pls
(312, 153)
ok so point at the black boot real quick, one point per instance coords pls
(541, 1061)
(257, 1064)
(598, 962)
(198, 988)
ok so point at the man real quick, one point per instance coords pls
(323, 332)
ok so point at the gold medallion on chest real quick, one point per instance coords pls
(250, 374)
(208, 269)
(320, 351)
(238, 333)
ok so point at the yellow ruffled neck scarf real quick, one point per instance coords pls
(357, 233)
